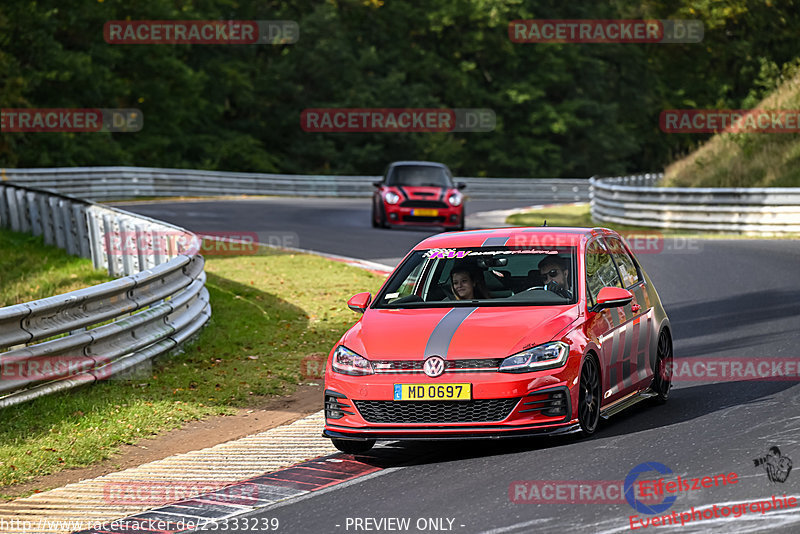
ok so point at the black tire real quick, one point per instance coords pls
(589, 397)
(382, 220)
(374, 220)
(662, 377)
(349, 446)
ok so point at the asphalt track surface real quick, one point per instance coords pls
(725, 299)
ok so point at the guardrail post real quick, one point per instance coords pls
(13, 209)
(158, 244)
(59, 229)
(65, 209)
(47, 220)
(130, 247)
(4, 214)
(144, 247)
(33, 210)
(111, 253)
(81, 230)
(22, 207)
(95, 240)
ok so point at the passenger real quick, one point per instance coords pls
(555, 276)
(467, 284)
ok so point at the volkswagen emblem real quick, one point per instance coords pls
(434, 366)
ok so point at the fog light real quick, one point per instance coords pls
(393, 216)
(334, 407)
(558, 404)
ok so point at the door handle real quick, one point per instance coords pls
(635, 307)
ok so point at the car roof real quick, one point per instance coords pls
(422, 163)
(540, 236)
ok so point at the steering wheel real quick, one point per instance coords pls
(534, 288)
(558, 290)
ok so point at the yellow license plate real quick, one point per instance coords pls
(425, 212)
(409, 392)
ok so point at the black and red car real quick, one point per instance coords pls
(418, 193)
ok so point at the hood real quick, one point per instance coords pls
(456, 333)
(420, 192)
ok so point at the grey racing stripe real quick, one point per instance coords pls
(495, 241)
(440, 338)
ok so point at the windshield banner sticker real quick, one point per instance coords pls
(453, 253)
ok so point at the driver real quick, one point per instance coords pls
(555, 276)
(467, 284)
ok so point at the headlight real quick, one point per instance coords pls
(347, 362)
(454, 199)
(547, 356)
(391, 198)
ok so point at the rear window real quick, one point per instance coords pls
(503, 276)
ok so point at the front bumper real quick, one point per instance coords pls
(508, 406)
(405, 435)
(449, 216)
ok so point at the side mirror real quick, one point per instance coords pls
(376, 184)
(358, 303)
(612, 297)
(461, 185)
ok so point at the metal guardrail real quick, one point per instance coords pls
(107, 183)
(637, 201)
(98, 332)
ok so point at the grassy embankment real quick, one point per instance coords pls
(725, 160)
(270, 311)
(746, 159)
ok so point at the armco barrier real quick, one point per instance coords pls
(98, 332)
(106, 183)
(637, 201)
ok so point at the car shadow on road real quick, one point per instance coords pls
(732, 317)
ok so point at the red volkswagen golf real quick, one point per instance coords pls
(418, 193)
(502, 332)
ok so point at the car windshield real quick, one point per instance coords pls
(419, 175)
(486, 276)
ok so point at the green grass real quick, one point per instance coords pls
(31, 270)
(579, 215)
(269, 312)
(745, 159)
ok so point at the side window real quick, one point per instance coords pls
(600, 270)
(409, 285)
(627, 269)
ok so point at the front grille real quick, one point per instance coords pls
(492, 363)
(422, 204)
(423, 218)
(415, 366)
(474, 411)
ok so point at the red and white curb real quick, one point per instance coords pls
(233, 477)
